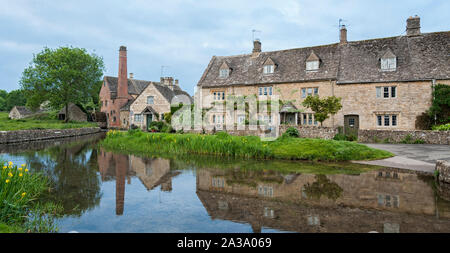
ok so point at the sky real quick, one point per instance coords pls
(178, 38)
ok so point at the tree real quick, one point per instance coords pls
(62, 76)
(323, 108)
(15, 97)
(440, 108)
(3, 95)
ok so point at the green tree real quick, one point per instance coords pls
(440, 108)
(15, 97)
(62, 76)
(323, 108)
(3, 95)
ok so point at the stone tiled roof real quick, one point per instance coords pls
(135, 87)
(23, 110)
(169, 94)
(422, 57)
(126, 107)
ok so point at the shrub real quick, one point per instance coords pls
(156, 125)
(222, 135)
(445, 127)
(291, 132)
(340, 137)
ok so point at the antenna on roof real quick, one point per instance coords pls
(341, 23)
(253, 34)
(162, 69)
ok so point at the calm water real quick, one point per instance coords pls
(109, 192)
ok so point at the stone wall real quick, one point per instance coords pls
(397, 136)
(443, 167)
(312, 132)
(36, 135)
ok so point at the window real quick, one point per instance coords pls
(379, 120)
(265, 91)
(138, 118)
(150, 100)
(309, 92)
(388, 64)
(268, 69)
(386, 120)
(219, 95)
(218, 182)
(106, 102)
(312, 65)
(351, 122)
(241, 119)
(388, 91)
(308, 119)
(224, 73)
(304, 119)
(394, 120)
(265, 191)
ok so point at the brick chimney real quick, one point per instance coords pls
(122, 86)
(413, 26)
(343, 35)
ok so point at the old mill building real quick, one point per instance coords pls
(384, 83)
(127, 101)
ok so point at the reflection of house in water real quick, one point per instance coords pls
(386, 201)
(151, 172)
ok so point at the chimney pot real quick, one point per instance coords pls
(413, 26)
(131, 75)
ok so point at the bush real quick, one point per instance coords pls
(291, 132)
(157, 125)
(445, 127)
(340, 137)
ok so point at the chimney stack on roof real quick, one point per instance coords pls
(413, 26)
(122, 86)
(131, 75)
(343, 35)
(256, 46)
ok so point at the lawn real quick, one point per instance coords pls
(45, 121)
(222, 144)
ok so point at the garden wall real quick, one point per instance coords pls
(44, 134)
(397, 136)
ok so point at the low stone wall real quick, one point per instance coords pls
(443, 167)
(327, 133)
(44, 134)
(397, 136)
(236, 132)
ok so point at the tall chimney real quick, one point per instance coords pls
(256, 46)
(413, 26)
(122, 86)
(343, 35)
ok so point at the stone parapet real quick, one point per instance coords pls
(45, 134)
(443, 167)
(399, 136)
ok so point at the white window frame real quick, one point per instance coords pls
(224, 73)
(312, 65)
(269, 69)
(389, 64)
(152, 100)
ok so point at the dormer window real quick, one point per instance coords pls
(224, 70)
(224, 73)
(313, 62)
(388, 61)
(269, 66)
(268, 69)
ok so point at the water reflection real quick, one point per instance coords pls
(103, 191)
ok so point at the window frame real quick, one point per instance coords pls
(152, 100)
(224, 73)
(268, 69)
(312, 65)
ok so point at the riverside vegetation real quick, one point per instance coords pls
(222, 144)
(23, 207)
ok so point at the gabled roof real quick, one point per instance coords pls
(224, 66)
(388, 54)
(422, 57)
(126, 107)
(135, 87)
(23, 110)
(313, 57)
(288, 107)
(148, 110)
(269, 61)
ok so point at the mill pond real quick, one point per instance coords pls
(103, 191)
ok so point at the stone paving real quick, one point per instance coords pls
(418, 157)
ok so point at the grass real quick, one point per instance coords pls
(20, 205)
(45, 121)
(222, 144)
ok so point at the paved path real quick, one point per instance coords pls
(419, 157)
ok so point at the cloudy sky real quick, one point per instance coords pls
(184, 35)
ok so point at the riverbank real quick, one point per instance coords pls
(7, 137)
(222, 144)
(38, 122)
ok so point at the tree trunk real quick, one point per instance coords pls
(66, 119)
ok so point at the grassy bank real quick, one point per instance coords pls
(222, 144)
(21, 205)
(45, 121)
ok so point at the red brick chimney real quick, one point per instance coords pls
(122, 86)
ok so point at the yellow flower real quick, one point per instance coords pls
(7, 180)
(4, 167)
(10, 163)
(26, 170)
(20, 174)
(23, 165)
(20, 169)
(10, 174)
(23, 194)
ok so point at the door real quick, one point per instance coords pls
(149, 120)
(351, 125)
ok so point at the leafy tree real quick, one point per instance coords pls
(441, 104)
(62, 76)
(3, 95)
(323, 108)
(15, 97)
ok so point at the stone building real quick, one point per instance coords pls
(384, 83)
(19, 112)
(129, 101)
(75, 113)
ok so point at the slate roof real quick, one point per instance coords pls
(23, 110)
(422, 57)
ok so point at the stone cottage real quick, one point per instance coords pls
(127, 101)
(19, 112)
(384, 83)
(75, 113)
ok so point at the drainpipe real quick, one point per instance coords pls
(433, 84)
